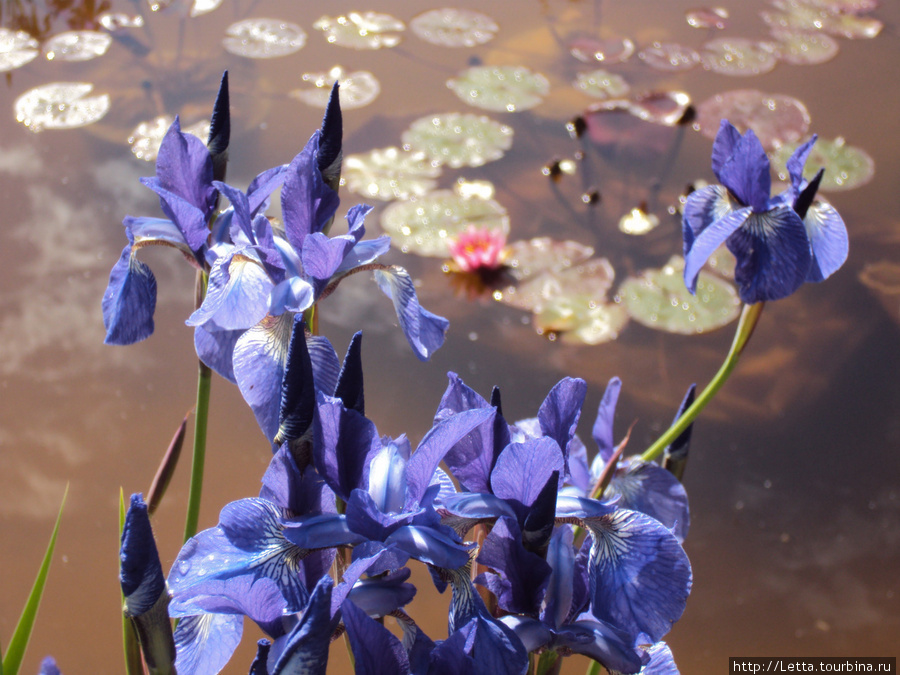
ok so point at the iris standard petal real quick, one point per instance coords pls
(423, 330)
(260, 354)
(640, 576)
(307, 203)
(129, 301)
(184, 167)
(709, 240)
(375, 650)
(603, 425)
(723, 146)
(747, 173)
(237, 295)
(797, 161)
(190, 219)
(560, 411)
(773, 255)
(204, 643)
(828, 238)
(522, 470)
(343, 444)
(322, 256)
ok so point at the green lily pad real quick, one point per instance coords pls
(739, 57)
(579, 319)
(427, 225)
(361, 30)
(451, 27)
(846, 166)
(500, 88)
(659, 299)
(602, 84)
(16, 49)
(358, 89)
(263, 38)
(77, 45)
(389, 173)
(459, 140)
(801, 48)
(527, 258)
(147, 136)
(589, 279)
(669, 56)
(60, 105)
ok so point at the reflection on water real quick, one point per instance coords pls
(795, 502)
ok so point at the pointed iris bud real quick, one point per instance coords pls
(805, 198)
(144, 588)
(330, 151)
(298, 394)
(220, 130)
(675, 455)
(350, 382)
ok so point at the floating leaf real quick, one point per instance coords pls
(77, 45)
(500, 88)
(846, 166)
(451, 27)
(815, 17)
(358, 89)
(739, 57)
(615, 129)
(602, 84)
(589, 278)
(361, 30)
(459, 140)
(669, 56)
(581, 319)
(263, 38)
(527, 258)
(661, 107)
(389, 173)
(589, 49)
(707, 17)
(659, 299)
(113, 21)
(16, 49)
(427, 225)
(60, 105)
(147, 136)
(775, 118)
(802, 48)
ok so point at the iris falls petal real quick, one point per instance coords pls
(424, 330)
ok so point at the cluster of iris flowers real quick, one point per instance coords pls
(573, 556)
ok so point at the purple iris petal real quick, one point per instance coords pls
(523, 576)
(184, 167)
(190, 219)
(522, 470)
(260, 354)
(322, 256)
(495, 648)
(49, 667)
(297, 492)
(379, 596)
(703, 208)
(387, 477)
(129, 301)
(343, 444)
(559, 413)
(773, 255)
(305, 649)
(603, 425)
(557, 601)
(325, 364)
(264, 185)
(140, 572)
(828, 238)
(375, 650)
(424, 330)
(477, 506)
(237, 294)
(709, 240)
(307, 203)
(363, 253)
(650, 489)
(603, 643)
(320, 530)
(216, 349)
(640, 576)
(723, 147)
(797, 161)
(429, 546)
(747, 173)
(204, 643)
(661, 661)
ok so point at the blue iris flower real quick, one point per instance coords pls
(779, 242)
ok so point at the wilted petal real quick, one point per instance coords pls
(205, 642)
(640, 575)
(424, 330)
(129, 301)
(375, 650)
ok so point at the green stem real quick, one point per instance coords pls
(201, 423)
(593, 669)
(749, 318)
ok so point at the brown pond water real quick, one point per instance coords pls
(794, 476)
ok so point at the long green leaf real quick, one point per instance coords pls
(16, 651)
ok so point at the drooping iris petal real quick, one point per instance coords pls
(423, 330)
(375, 650)
(216, 349)
(709, 239)
(205, 642)
(129, 301)
(523, 575)
(773, 255)
(640, 575)
(650, 489)
(306, 648)
(259, 357)
(828, 238)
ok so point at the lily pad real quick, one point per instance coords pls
(661, 107)
(659, 299)
(617, 130)
(500, 88)
(16, 49)
(707, 17)
(669, 56)
(816, 17)
(846, 166)
(579, 319)
(264, 38)
(775, 118)
(77, 45)
(451, 27)
(527, 258)
(113, 21)
(602, 84)
(590, 49)
(147, 136)
(427, 225)
(739, 57)
(389, 173)
(361, 30)
(358, 89)
(60, 105)
(802, 48)
(457, 139)
(590, 278)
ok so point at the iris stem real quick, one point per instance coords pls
(201, 423)
(749, 318)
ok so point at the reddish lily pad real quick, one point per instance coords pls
(707, 17)
(602, 84)
(802, 48)
(589, 49)
(775, 118)
(580, 319)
